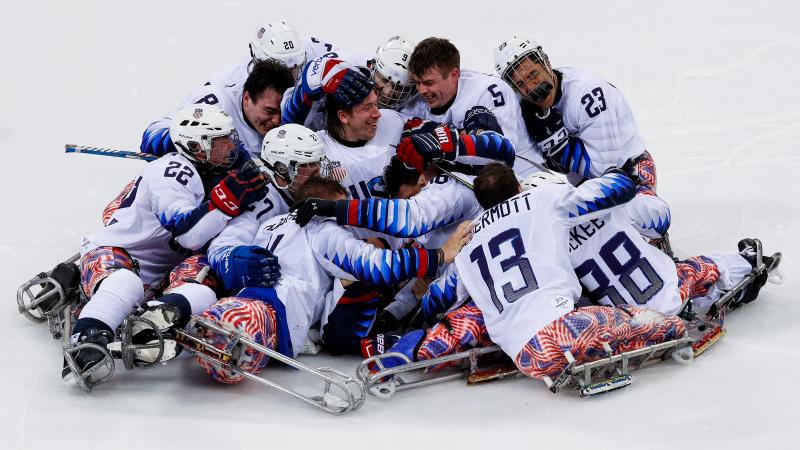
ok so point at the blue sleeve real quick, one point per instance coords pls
(592, 198)
(483, 148)
(441, 295)
(156, 140)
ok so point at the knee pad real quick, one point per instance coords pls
(193, 270)
(199, 296)
(98, 264)
(119, 292)
(255, 320)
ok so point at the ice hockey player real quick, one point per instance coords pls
(581, 123)
(292, 154)
(171, 211)
(517, 272)
(254, 107)
(313, 259)
(447, 93)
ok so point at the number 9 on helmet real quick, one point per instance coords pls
(389, 71)
(292, 154)
(204, 134)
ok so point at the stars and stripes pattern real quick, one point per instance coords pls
(461, 329)
(114, 205)
(101, 262)
(583, 331)
(256, 320)
(189, 271)
(696, 275)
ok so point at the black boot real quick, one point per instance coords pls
(68, 275)
(87, 358)
(749, 249)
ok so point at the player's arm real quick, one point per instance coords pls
(240, 230)
(345, 256)
(435, 206)
(595, 197)
(443, 144)
(441, 296)
(175, 191)
(649, 213)
(156, 140)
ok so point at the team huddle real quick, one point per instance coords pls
(393, 203)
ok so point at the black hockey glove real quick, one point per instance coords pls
(311, 207)
(479, 119)
(548, 132)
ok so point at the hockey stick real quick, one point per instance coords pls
(534, 163)
(453, 176)
(70, 148)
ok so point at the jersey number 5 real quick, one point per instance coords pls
(515, 261)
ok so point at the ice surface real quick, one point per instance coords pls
(713, 85)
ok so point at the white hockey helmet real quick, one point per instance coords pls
(389, 71)
(205, 134)
(292, 152)
(538, 179)
(511, 52)
(280, 42)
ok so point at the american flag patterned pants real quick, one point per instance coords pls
(583, 331)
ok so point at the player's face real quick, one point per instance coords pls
(224, 150)
(527, 75)
(263, 112)
(361, 123)
(437, 88)
(304, 172)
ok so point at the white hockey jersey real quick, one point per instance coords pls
(360, 169)
(475, 88)
(516, 267)
(159, 219)
(311, 257)
(616, 266)
(596, 112)
(243, 228)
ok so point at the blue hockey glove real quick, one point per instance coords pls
(249, 266)
(479, 119)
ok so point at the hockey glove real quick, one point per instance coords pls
(249, 266)
(311, 207)
(548, 132)
(420, 149)
(239, 189)
(336, 78)
(479, 119)
(417, 125)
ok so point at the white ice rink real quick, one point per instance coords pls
(713, 85)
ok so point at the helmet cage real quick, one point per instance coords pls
(535, 54)
(211, 149)
(391, 94)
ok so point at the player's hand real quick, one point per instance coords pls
(479, 119)
(334, 77)
(250, 266)
(548, 132)
(420, 149)
(457, 241)
(311, 207)
(239, 189)
(416, 125)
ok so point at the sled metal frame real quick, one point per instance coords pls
(226, 358)
(30, 306)
(612, 372)
(386, 381)
(84, 378)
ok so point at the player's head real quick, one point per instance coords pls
(400, 181)
(293, 154)
(522, 63)
(204, 134)
(324, 188)
(358, 122)
(278, 41)
(390, 73)
(435, 66)
(262, 92)
(494, 184)
(538, 179)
